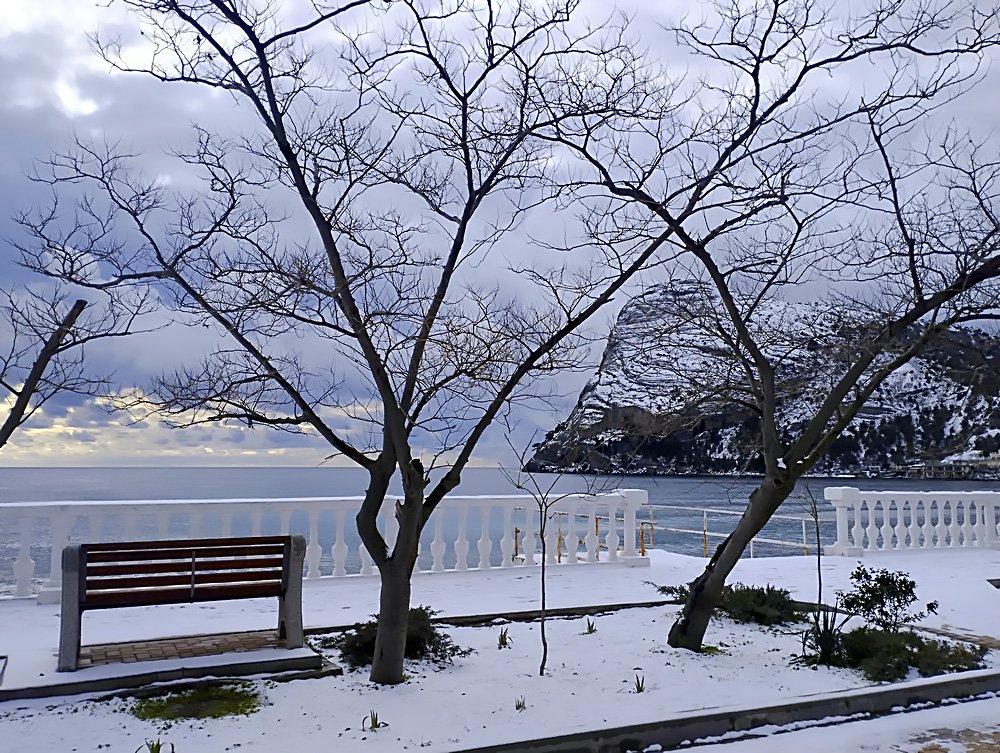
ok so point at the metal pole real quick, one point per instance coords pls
(805, 538)
(704, 532)
(517, 533)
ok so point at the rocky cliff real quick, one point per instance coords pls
(669, 396)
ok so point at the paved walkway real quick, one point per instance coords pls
(178, 648)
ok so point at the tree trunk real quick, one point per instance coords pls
(395, 571)
(688, 631)
(393, 617)
(542, 526)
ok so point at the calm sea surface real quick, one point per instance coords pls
(720, 493)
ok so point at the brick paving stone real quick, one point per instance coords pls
(178, 648)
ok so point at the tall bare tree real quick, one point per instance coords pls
(43, 338)
(351, 243)
(792, 162)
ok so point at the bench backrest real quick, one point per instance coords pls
(142, 573)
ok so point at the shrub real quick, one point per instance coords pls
(939, 657)
(424, 641)
(881, 656)
(884, 656)
(764, 606)
(883, 599)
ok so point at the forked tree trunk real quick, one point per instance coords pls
(394, 597)
(688, 631)
(393, 617)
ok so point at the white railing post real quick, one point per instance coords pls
(634, 500)
(845, 499)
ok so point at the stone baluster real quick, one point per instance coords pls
(966, 527)
(507, 540)
(954, 531)
(313, 549)
(485, 543)
(927, 527)
(913, 530)
(530, 522)
(940, 529)
(572, 540)
(338, 552)
(885, 529)
(871, 526)
(24, 565)
(390, 526)
(591, 540)
(899, 529)
(462, 542)
(611, 539)
(551, 538)
(62, 522)
(438, 545)
(979, 527)
(367, 563)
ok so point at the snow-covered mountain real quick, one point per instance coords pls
(670, 397)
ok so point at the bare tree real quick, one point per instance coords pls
(350, 245)
(768, 178)
(542, 490)
(43, 350)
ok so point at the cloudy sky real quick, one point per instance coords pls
(53, 86)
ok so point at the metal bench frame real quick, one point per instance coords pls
(183, 571)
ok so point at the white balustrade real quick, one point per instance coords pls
(504, 530)
(877, 521)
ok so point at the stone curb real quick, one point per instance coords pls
(682, 730)
(527, 615)
(221, 670)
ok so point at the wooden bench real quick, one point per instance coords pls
(185, 571)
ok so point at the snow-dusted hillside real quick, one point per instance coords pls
(667, 396)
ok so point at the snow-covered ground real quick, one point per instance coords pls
(590, 683)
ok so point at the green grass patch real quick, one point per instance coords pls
(200, 703)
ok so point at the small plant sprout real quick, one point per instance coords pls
(155, 747)
(520, 704)
(640, 683)
(591, 627)
(374, 723)
(504, 640)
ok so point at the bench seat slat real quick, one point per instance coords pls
(201, 578)
(121, 546)
(152, 597)
(184, 553)
(181, 566)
